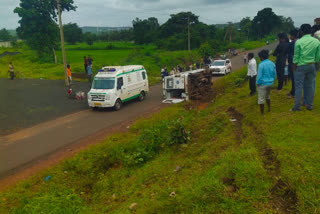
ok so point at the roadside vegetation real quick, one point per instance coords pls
(218, 156)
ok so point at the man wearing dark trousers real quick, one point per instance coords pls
(306, 55)
(293, 37)
(281, 53)
(252, 73)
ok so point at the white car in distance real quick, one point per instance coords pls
(221, 67)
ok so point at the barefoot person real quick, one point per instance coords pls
(11, 70)
(252, 73)
(265, 79)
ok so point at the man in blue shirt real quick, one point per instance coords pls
(265, 79)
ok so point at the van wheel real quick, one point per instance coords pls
(142, 96)
(117, 106)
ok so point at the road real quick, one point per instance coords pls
(27, 147)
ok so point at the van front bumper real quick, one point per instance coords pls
(100, 104)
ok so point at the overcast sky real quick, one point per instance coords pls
(120, 13)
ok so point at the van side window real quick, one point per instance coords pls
(119, 83)
(143, 75)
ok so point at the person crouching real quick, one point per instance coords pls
(265, 79)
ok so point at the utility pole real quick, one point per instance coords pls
(62, 44)
(189, 48)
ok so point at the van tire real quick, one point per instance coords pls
(142, 96)
(117, 106)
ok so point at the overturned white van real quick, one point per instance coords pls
(114, 85)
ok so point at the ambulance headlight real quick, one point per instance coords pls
(107, 96)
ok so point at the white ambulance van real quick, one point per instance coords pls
(115, 85)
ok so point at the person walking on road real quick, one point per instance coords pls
(11, 70)
(306, 55)
(293, 37)
(85, 62)
(265, 79)
(281, 53)
(252, 73)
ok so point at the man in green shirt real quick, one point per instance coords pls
(306, 54)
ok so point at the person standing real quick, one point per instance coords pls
(293, 37)
(89, 73)
(316, 34)
(281, 53)
(90, 60)
(252, 73)
(85, 61)
(245, 58)
(11, 70)
(69, 74)
(265, 79)
(163, 72)
(306, 55)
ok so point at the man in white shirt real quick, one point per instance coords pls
(252, 73)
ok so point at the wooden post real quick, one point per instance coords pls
(62, 44)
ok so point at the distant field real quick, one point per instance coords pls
(103, 53)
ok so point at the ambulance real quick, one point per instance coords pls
(115, 85)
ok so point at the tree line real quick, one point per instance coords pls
(173, 34)
(40, 31)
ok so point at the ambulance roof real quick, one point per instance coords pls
(111, 71)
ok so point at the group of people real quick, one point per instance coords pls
(301, 54)
(87, 67)
(164, 71)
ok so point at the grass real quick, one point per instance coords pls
(185, 160)
(29, 66)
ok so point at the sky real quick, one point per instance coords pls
(120, 13)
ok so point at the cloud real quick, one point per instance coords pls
(122, 12)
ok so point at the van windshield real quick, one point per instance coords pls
(103, 83)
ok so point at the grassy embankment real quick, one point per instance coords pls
(191, 160)
(103, 53)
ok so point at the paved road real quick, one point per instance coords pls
(23, 148)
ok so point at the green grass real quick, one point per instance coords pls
(30, 66)
(258, 164)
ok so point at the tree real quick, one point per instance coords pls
(246, 26)
(5, 35)
(38, 25)
(178, 23)
(89, 38)
(72, 33)
(264, 23)
(206, 50)
(145, 31)
(287, 24)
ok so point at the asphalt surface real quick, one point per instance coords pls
(25, 103)
(23, 148)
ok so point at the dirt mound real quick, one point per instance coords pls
(7, 53)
